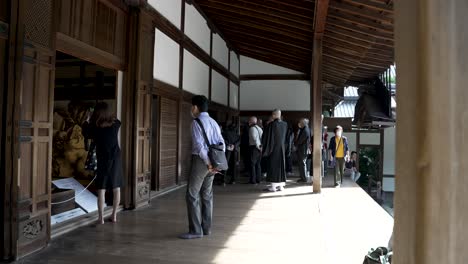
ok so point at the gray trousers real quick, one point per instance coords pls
(339, 170)
(303, 168)
(199, 197)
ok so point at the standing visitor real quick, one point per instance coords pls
(244, 148)
(255, 149)
(302, 146)
(103, 128)
(200, 182)
(289, 147)
(338, 153)
(232, 140)
(274, 150)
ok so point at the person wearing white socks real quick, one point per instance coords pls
(274, 149)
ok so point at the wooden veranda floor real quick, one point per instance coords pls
(250, 226)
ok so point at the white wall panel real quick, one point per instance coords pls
(253, 66)
(352, 140)
(234, 96)
(234, 64)
(389, 151)
(196, 27)
(170, 9)
(220, 50)
(219, 89)
(369, 138)
(166, 59)
(196, 75)
(270, 94)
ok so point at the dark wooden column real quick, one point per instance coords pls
(316, 82)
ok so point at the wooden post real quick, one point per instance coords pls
(320, 18)
(431, 40)
(317, 114)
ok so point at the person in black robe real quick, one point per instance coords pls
(274, 148)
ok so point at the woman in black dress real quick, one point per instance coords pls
(103, 128)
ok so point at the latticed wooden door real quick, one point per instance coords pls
(35, 122)
(143, 110)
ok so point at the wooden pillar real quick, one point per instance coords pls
(317, 113)
(431, 211)
(320, 18)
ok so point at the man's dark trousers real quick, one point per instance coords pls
(200, 186)
(255, 165)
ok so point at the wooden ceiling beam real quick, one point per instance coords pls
(357, 57)
(332, 36)
(268, 50)
(337, 64)
(220, 9)
(280, 7)
(359, 29)
(362, 12)
(256, 77)
(354, 37)
(244, 36)
(387, 52)
(363, 64)
(359, 36)
(235, 23)
(320, 18)
(373, 5)
(387, 28)
(295, 4)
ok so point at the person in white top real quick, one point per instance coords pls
(255, 150)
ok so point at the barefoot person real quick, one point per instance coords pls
(103, 128)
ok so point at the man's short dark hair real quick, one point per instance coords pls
(201, 102)
(353, 152)
(337, 128)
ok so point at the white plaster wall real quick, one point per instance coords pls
(219, 89)
(196, 75)
(234, 96)
(170, 9)
(234, 63)
(196, 27)
(389, 151)
(253, 66)
(286, 95)
(166, 59)
(369, 138)
(220, 50)
(352, 140)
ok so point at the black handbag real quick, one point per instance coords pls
(215, 152)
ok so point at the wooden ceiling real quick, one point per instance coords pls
(357, 42)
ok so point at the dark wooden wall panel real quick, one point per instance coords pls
(168, 143)
(186, 141)
(4, 11)
(96, 23)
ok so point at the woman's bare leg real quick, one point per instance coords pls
(116, 204)
(101, 200)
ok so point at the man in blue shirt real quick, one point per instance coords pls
(200, 183)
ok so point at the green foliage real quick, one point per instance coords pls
(369, 164)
